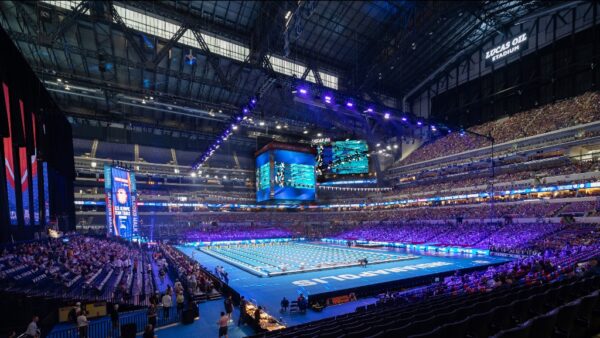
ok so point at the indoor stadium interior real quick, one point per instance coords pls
(300, 168)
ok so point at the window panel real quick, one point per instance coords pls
(165, 30)
(295, 69)
(70, 5)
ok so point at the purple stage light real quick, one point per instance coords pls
(239, 118)
(404, 119)
(303, 91)
(253, 101)
(386, 116)
(369, 110)
(419, 123)
(349, 104)
(245, 110)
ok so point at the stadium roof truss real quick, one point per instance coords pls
(192, 64)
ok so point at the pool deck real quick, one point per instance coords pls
(268, 292)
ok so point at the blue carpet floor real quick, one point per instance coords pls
(206, 326)
(268, 291)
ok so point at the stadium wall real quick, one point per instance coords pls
(37, 151)
(558, 60)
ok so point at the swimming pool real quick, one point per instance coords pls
(273, 259)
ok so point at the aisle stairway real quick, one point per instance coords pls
(160, 284)
(559, 210)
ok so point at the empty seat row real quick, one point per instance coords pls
(500, 312)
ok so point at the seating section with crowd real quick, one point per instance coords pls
(472, 235)
(77, 267)
(554, 291)
(570, 112)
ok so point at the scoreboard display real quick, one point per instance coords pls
(350, 157)
(121, 206)
(294, 177)
(263, 177)
(285, 175)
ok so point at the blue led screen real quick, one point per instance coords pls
(294, 175)
(350, 157)
(285, 175)
(121, 211)
(263, 177)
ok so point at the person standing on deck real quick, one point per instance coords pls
(166, 302)
(242, 319)
(114, 319)
(152, 314)
(228, 307)
(222, 322)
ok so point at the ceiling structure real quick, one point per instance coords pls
(192, 65)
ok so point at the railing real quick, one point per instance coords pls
(103, 327)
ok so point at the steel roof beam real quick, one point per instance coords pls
(115, 87)
(167, 47)
(243, 37)
(212, 59)
(126, 62)
(129, 35)
(69, 21)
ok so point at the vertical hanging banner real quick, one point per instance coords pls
(9, 162)
(34, 190)
(46, 194)
(24, 185)
(34, 175)
(23, 159)
(10, 180)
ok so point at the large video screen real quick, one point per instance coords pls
(292, 177)
(342, 157)
(121, 209)
(263, 177)
(350, 157)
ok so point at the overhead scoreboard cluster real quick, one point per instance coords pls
(288, 173)
(285, 173)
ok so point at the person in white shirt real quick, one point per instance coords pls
(166, 302)
(82, 325)
(32, 329)
(178, 286)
